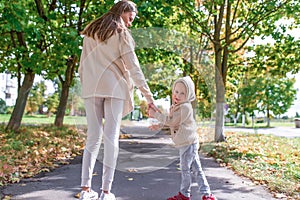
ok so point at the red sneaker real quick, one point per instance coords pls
(210, 197)
(179, 197)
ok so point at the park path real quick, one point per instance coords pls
(147, 170)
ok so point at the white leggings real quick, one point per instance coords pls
(98, 109)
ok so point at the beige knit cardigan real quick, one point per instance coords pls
(111, 69)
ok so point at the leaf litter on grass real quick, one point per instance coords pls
(266, 159)
(36, 149)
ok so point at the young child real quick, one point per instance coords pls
(184, 135)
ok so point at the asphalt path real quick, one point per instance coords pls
(147, 170)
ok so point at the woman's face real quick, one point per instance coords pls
(128, 18)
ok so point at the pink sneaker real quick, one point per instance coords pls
(179, 196)
(209, 197)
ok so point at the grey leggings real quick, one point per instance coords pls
(104, 117)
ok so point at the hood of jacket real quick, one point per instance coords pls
(190, 87)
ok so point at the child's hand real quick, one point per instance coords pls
(154, 127)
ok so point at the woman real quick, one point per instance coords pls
(108, 63)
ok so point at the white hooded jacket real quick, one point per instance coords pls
(181, 119)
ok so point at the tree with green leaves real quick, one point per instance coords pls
(230, 25)
(42, 37)
(52, 103)
(36, 98)
(65, 19)
(270, 66)
(75, 102)
(168, 46)
(276, 96)
(25, 39)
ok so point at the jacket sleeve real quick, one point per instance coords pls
(178, 117)
(131, 61)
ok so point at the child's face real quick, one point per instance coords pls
(179, 93)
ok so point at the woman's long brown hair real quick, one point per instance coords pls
(105, 26)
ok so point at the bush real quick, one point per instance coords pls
(3, 107)
(9, 109)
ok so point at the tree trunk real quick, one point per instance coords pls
(243, 119)
(220, 94)
(237, 112)
(268, 117)
(219, 127)
(221, 56)
(66, 84)
(62, 105)
(17, 114)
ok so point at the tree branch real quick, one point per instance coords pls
(52, 5)
(40, 9)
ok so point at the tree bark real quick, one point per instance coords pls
(66, 84)
(61, 110)
(220, 90)
(220, 102)
(221, 58)
(268, 117)
(17, 114)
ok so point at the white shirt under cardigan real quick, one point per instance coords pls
(111, 68)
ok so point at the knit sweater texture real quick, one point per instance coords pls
(111, 69)
(181, 120)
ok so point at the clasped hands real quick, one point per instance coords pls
(152, 109)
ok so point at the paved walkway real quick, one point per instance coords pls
(147, 170)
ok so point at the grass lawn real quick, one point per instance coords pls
(274, 123)
(265, 159)
(44, 119)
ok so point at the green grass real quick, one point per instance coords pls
(44, 119)
(274, 123)
(73, 120)
(268, 160)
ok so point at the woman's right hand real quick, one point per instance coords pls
(152, 106)
(151, 112)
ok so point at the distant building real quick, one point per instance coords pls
(8, 89)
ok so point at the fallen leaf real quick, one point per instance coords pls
(132, 170)
(7, 197)
(77, 195)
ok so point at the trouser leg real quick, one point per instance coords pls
(113, 109)
(185, 165)
(94, 114)
(199, 174)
